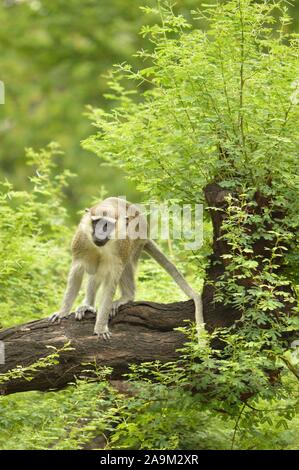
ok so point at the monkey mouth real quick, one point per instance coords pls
(100, 243)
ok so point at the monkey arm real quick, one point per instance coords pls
(93, 285)
(73, 286)
(109, 288)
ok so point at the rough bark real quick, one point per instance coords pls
(142, 331)
(216, 199)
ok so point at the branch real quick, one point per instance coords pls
(142, 331)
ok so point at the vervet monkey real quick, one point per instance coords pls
(106, 247)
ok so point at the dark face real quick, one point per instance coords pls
(101, 231)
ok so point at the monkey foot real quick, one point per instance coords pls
(115, 306)
(81, 311)
(114, 309)
(104, 334)
(56, 317)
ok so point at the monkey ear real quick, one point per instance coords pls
(96, 217)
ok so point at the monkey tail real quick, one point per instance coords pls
(154, 251)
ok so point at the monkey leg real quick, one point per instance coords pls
(88, 303)
(73, 286)
(127, 287)
(110, 283)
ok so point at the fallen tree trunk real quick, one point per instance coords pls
(142, 331)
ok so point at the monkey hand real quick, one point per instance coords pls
(102, 332)
(57, 317)
(81, 311)
(115, 306)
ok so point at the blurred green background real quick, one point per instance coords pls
(53, 60)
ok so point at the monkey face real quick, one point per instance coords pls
(102, 230)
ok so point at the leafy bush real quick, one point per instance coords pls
(220, 107)
(222, 104)
(33, 241)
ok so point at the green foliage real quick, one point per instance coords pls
(68, 419)
(220, 102)
(270, 287)
(54, 55)
(153, 420)
(33, 240)
(54, 59)
(195, 405)
(212, 104)
(222, 106)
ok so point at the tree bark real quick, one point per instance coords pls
(216, 198)
(142, 331)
